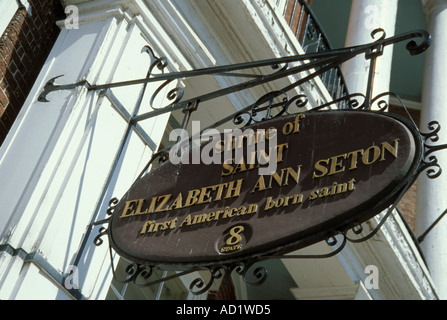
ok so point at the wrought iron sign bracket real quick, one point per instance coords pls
(311, 65)
(315, 63)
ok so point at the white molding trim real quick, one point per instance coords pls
(402, 271)
(431, 6)
(326, 293)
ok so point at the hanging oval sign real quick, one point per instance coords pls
(272, 187)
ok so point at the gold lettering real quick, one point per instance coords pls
(320, 167)
(242, 211)
(205, 196)
(152, 205)
(324, 192)
(287, 129)
(366, 155)
(269, 204)
(336, 188)
(219, 191)
(140, 204)
(390, 149)
(271, 132)
(152, 226)
(249, 135)
(351, 183)
(283, 202)
(218, 213)
(336, 164)
(263, 157)
(277, 178)
(297, 199)
(240, 167)
(227, 210)
(353, 155)
(229, 143)
(313, 195)
(342, 188)
(252, 160)
(187, 220)
(232, 212)
(219, 146)
(295, 175)
(252, 208)
(193, 197)
(228, 168)
(280, 151)
(371, 155)
(177, 204)
(211, 216)
(280, 179)
(260, 185)
(128, 207)
(148, 224)
(199, 218)
(298, 118)
(164, 200)
(234, 191)
(292, 127)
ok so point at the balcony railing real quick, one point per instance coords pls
(312, 38)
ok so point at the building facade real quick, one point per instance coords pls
(68, 152)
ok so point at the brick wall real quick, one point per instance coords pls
(407, 204)
(24, 47)
(295, 18)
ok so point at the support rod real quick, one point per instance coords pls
(320, 58)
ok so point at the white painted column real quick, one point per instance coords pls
(367, 15)
(58, 165)
(431, 194)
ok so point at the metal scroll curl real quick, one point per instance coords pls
(264, 108)
(430, 161)
(278, 103)
(98, 241)
(161, 63)
(244, 269)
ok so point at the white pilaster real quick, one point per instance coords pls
(431, 196)
(65, 159)
(367, 15)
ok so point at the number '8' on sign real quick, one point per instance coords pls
(234, 238)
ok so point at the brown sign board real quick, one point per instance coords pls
(332, 169)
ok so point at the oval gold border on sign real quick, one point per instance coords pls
(333, 168)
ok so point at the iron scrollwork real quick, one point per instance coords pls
(98, 241)
(271, 105)
(317, 63)
(161, 63)
(263, 109)
(430, 161)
